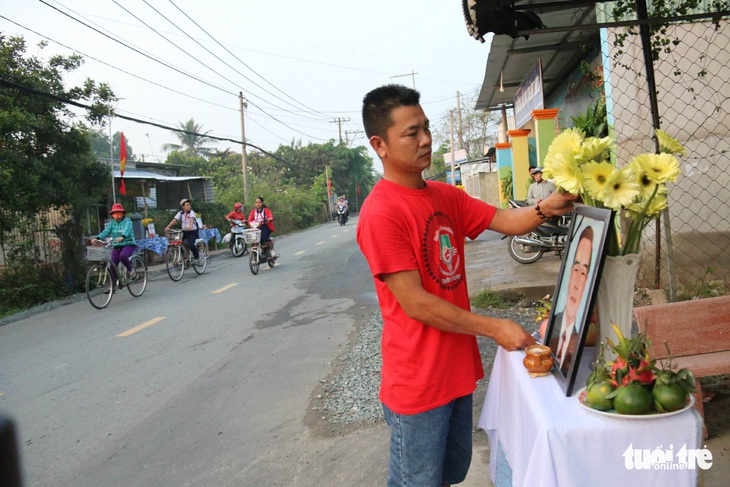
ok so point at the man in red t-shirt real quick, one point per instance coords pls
(236, 214)
(412, 235)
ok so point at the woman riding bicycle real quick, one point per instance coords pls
(262, 218)
(187, 219)
(121, 231)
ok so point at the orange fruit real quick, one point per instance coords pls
(632, 399)
(671, 397)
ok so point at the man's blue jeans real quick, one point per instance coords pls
(432, 448)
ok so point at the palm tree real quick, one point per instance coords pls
(192, 140)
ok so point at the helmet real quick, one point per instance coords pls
(117, 207)
(183, 201)
(237, 206)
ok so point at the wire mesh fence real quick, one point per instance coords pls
(690, 245)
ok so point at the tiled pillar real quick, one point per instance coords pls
(504, 167)
(520, 163)
(544, 121)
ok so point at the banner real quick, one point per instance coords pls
(122, 161)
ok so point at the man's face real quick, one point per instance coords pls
(578, 278)
(407, 145)
(537, 177)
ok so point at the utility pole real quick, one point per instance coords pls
(354, 132)
(451, 136)
(411, 74)
(111, 152)
(458, 114)
(339, 121)
(243, 104)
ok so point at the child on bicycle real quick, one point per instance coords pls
(121, 231)
(189, 222)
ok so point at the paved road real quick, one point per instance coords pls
(214, 392)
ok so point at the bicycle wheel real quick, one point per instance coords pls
(174, 262)
(99, 285)
(138, 283)
(202, 258)
(253, 262)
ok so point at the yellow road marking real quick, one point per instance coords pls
(334, 236)
(320, 243)
(2, 393)
(225, 288)
(142, 326)
(300, 252)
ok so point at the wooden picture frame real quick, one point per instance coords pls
(575, 291)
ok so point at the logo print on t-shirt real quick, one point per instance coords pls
(442, 257)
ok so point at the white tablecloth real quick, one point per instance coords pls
(550, 440)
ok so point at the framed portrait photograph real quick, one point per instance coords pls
(575, 291)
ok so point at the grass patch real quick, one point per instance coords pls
(494, 299)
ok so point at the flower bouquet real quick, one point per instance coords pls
(581, 166)
(633, 384)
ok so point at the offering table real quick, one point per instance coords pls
(539, 437)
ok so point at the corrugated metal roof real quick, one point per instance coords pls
(510, 59)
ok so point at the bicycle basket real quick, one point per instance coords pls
(175, 235)
(252, 236)
(97, 254)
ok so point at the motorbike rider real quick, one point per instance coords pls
(262, 218)
(342, 203)
(236, 214)
(540, 189)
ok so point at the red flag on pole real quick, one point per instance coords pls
(358, 189)
(122, 162)
(329, 187)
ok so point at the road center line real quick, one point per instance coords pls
(142, 326)
(300, 252)
(320, 243)
(334, 236)
(224, 288)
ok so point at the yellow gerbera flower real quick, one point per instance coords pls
(668, 144)
(657, 205)
(595, 176)
(621, 189)
(594, 149)
(660, 168)
(567, 174)
(568, 142)
(640, 165)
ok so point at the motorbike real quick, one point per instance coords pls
(239, 242)
(259, 254)
(342, 214)
(550, 236)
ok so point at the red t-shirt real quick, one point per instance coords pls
(403, 229)
(236, 215)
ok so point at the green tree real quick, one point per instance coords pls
(192, 141)
(100, 146)
(45, 155)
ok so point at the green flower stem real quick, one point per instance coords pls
(637, 226)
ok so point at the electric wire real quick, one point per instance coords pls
(175, 45)
(218, 58)
(28, 89)
(239, 60)
(138, 51)
(118, 68)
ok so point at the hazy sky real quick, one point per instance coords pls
(303, 63)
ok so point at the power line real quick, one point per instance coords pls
(118, 68)
(168, 40)
(28, 89)
(138, 51)
(217, 57)
(239, 60)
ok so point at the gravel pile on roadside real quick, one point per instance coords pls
(351, 396)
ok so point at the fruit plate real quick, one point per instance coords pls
(655, 415)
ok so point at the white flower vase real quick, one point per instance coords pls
(615, 299)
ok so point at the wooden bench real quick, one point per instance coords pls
(697, 333)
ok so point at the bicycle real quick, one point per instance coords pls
(252, 236)
(100, 284)
(178, 256)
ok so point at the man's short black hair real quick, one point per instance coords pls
(377, 105)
